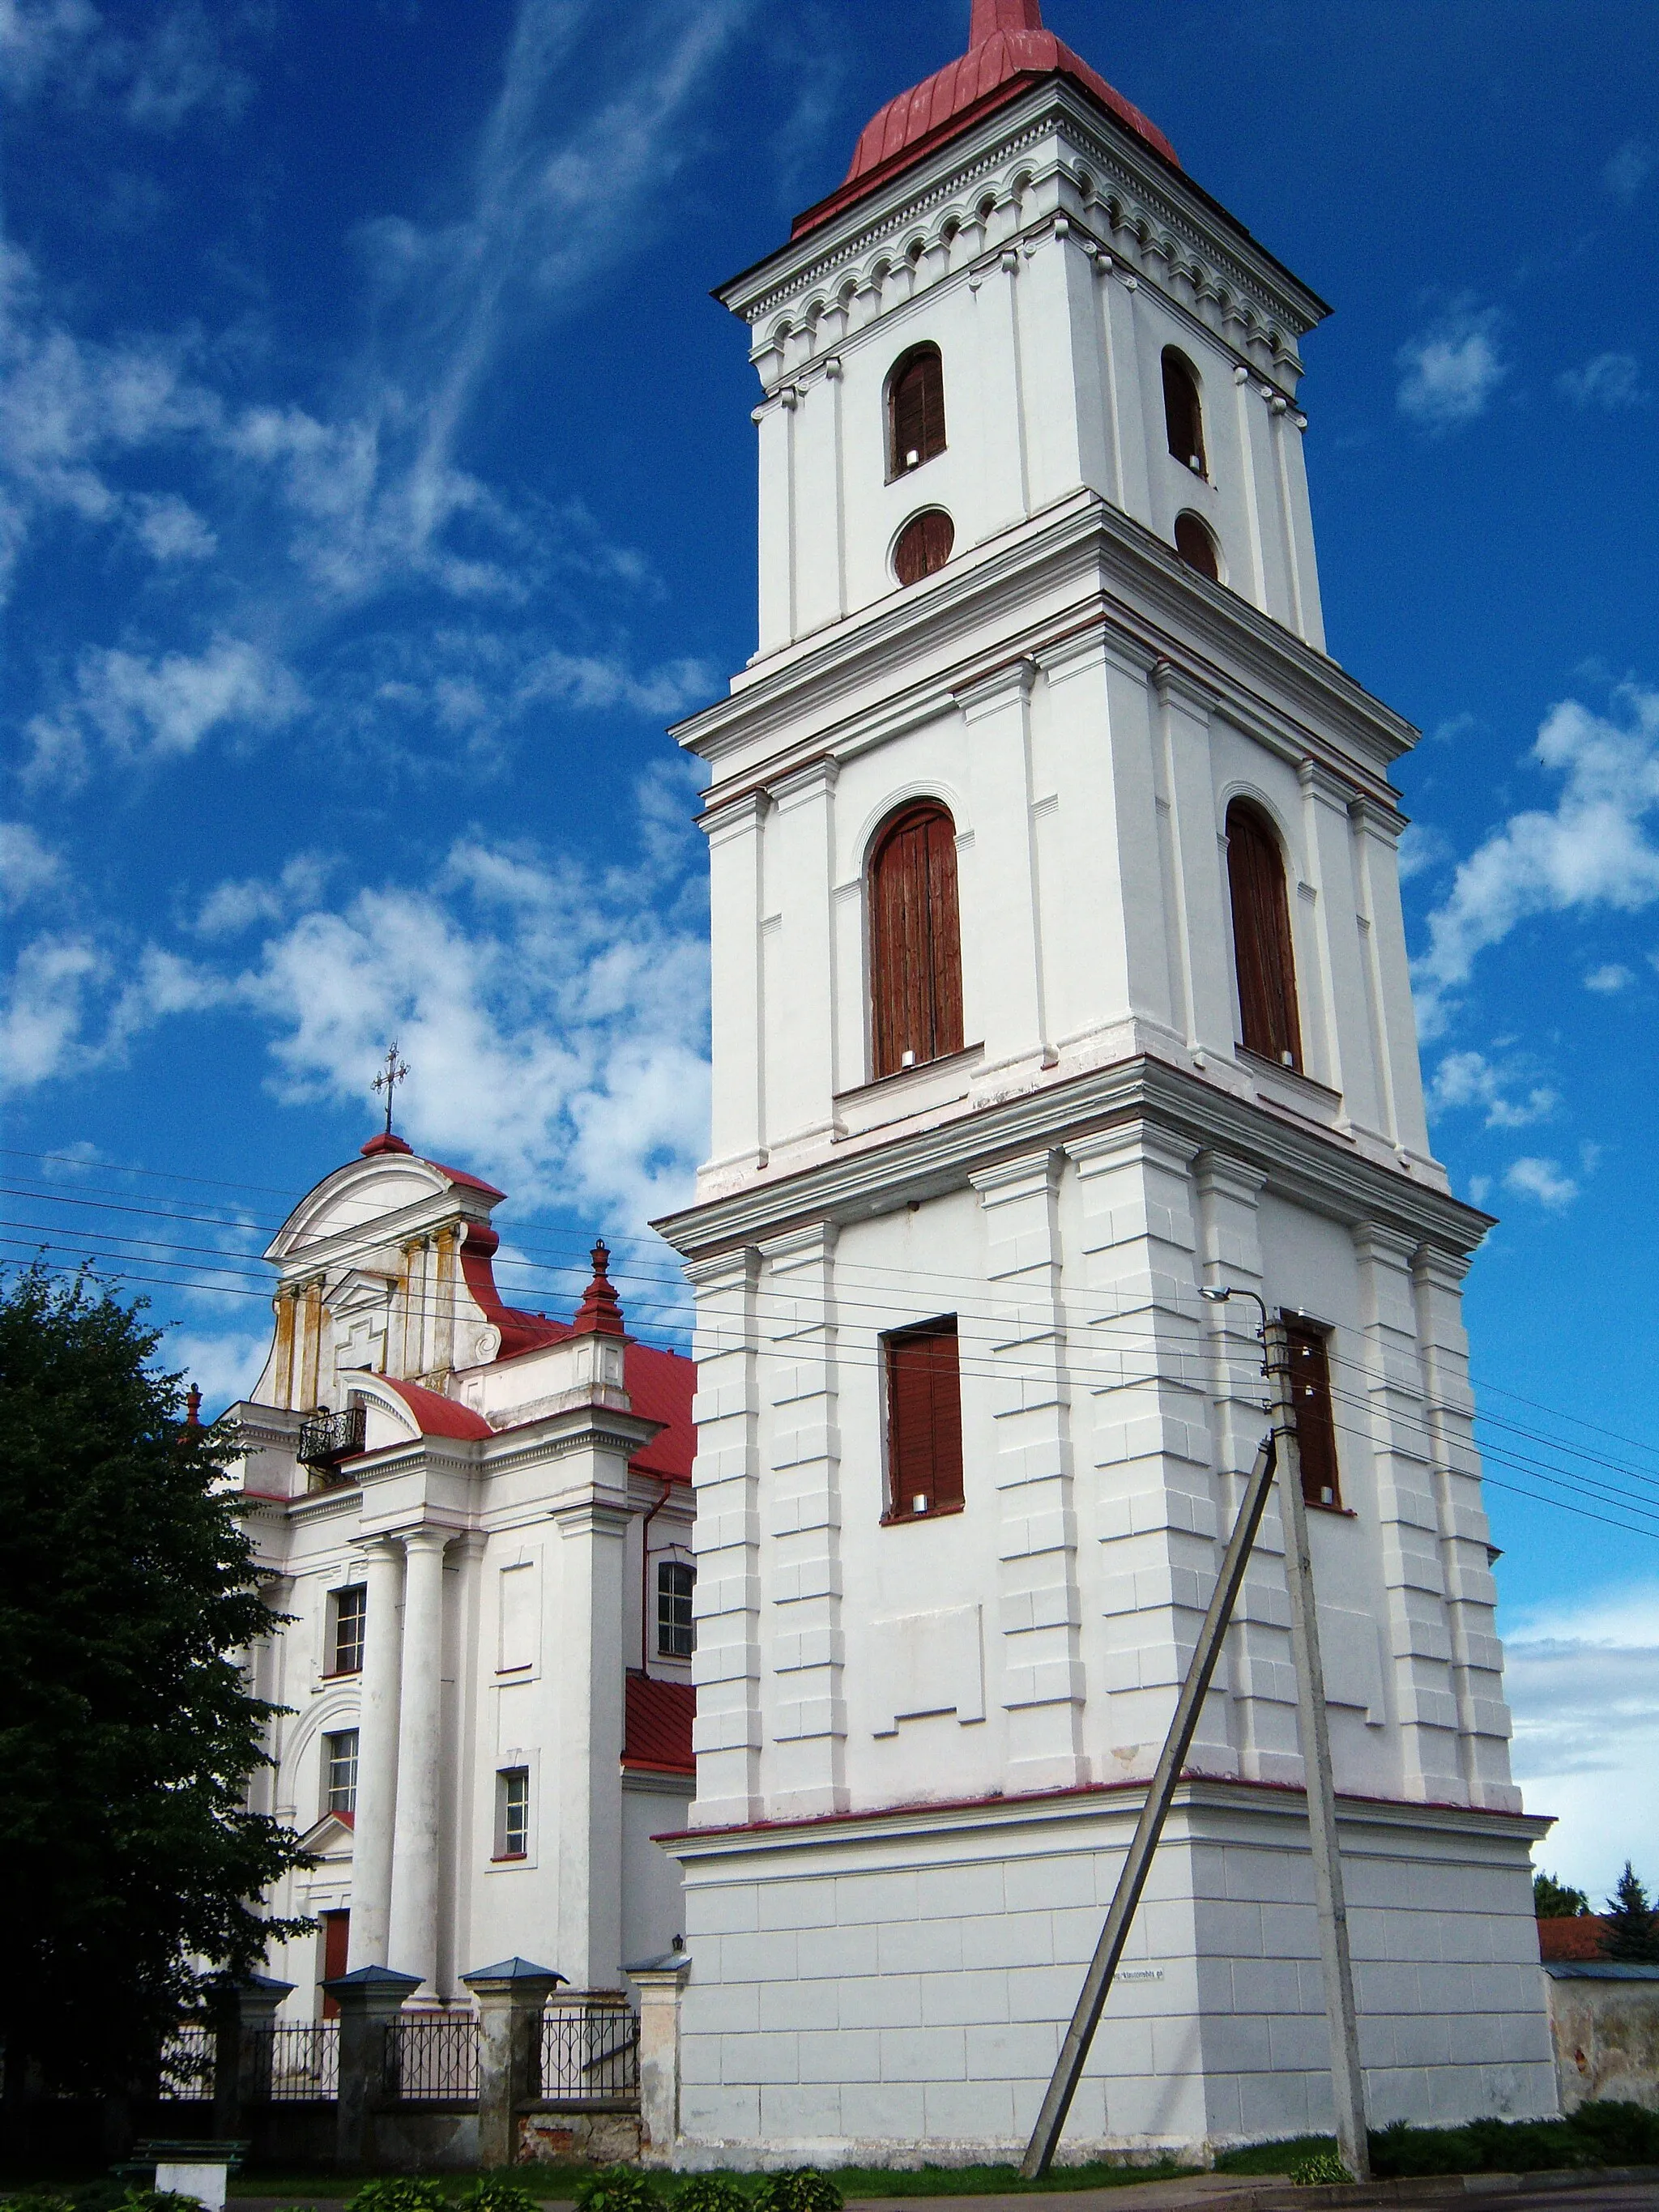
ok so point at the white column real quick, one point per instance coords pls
(1331, 922)
(1001, 924)
(737, 1136)
(1197, 930)
(804, 1500)
(412, 1940)
(592, 1674)
(377, 1758)
(1001, 415)
(801, 1027)
(725, 1478)
(774, 419)
(1021, 1343)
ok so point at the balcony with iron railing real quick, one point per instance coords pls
(326, 1439)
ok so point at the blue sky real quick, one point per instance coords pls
(376, 482)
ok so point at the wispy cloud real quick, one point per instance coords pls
(1629, 168)
(1449, 371)
(1583, 1679)
(27, 867)
(1542, 1180)
(158, 708)
(1466, 1079)
(1614, 977)
(152, 66)
(1611, 381)
(1595, 848)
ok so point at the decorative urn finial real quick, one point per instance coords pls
(600, 1311)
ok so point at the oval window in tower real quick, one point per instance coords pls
(1262, 954)
(923, 545)
(1196, 547)
(915, 409)
(1183, 415)
(916, 941)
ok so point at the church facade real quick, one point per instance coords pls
(478, 1522)
(1059, 974)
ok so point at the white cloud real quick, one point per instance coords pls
(1582, 1680)
(159, 66)
(1542, 1180)
(1450, 372)
(1592, 850)
(27, 867)
(1613, 977)
(171, 530)
(1420, 850)
(1629, 169)
(44, 1008)
(162, 707)
(1610, 381)
(232, 907)
(223, 1367)
(1470, 1079)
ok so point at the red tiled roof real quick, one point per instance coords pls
(436, 1415)
(657, 1722)
(1008, 49)
(661, 1384)
(1577, 1937)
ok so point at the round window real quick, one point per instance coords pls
(923, 545)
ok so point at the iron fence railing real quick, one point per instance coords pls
(186, 2071)
(434, 2059)
(590, 2052)
(304, 2062)
(325, 1438)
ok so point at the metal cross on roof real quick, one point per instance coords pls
(389, 1077)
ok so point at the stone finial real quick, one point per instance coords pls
(193, 1408)
(600, 1311)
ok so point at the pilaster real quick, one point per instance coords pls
(1194, 923)
(1020, 1338)
(592, 1564)
(1148, 1439)
(377, 1756)
(1006, 947)
(736, 1011)
(412, 1937)
(801, 1024)
(725, 1478)
(1328, 863)
(1379, 1399)
(1000, 413)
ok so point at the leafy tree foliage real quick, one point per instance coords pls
(1554, 1900)
(1631, 1932)
(128, 1859)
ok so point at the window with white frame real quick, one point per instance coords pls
(340, 1772)
(512, 1813)
(676, 1633)
(347, 1620)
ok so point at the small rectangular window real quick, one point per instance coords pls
(1316, 1417)
(677, 1634)
(924, 1421)
(512, 1813)
(340, 1772)
(349, 1612)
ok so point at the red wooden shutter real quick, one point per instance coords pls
(336, 1946)
(923, 546)
(924, 1421)
(916, 942)
(1196, 547)
(1261, 939)
(1183, 415)
(1315, 1416)
(917, 404)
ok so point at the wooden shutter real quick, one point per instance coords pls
(1196, 547)
(1315, 1416)
(923, 545)
(916, 942)
(1261, 939)
(337, 1948)
(924, 1421)
(1183, 415)
(917, 400)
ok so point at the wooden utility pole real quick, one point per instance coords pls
(1347, 2082)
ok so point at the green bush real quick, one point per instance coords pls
(1323, 2167)
(158, 2200)
(799, 2188)
(496, 2192)
(709, 2192)
(1618, 2134)
(399, 2195)
(35, 2200)
(617, 2188)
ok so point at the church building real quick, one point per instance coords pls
(478, 1520)
(1059, 974)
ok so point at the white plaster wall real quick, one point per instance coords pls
(900, 1992)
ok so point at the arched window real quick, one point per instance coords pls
(923, 545)
(916, 941)
(1261, 938)
(1184, 415)
(1196, 547)
(915, 410)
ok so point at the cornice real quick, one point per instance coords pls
(885, 1174)
(1124, 583)
(441, 1210)
(1149, 213)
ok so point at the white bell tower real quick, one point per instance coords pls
(1059, 970)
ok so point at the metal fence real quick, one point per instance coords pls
(433, 2060)
(187, 2064)
(590, 2052)
(304, 2060)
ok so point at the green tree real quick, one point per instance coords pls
(1554, 1900)
(130, 1863)
(1631, 1930)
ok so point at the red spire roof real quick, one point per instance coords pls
(1007, 49)
(599, 1313)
